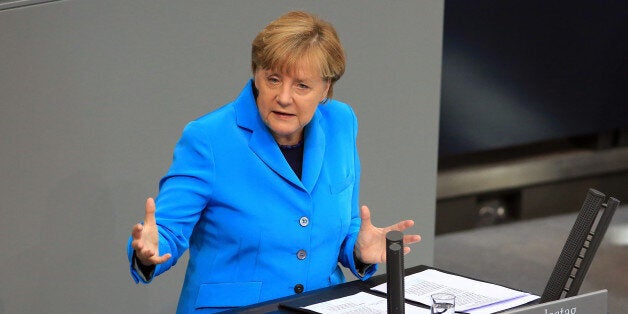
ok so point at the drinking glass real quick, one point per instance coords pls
(443, 303)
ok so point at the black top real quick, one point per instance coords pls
(294, 156)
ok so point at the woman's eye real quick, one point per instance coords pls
(273, 79)
(302, 86)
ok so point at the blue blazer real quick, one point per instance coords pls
(254, 230)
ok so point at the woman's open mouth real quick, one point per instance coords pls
(283, 115)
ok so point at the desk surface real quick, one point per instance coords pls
(334, 292)
(501, 253)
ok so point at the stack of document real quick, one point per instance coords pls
(472, 296)
(360, 302)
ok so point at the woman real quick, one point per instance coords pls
(264, 191)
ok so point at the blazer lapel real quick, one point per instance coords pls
(313, 152)
(265, 147)
(262, 142)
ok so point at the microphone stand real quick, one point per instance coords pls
(395, 273)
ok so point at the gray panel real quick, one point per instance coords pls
(593, 302)
(94, 94)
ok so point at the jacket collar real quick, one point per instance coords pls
(262, 143)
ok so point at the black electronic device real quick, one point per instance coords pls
(580, 247)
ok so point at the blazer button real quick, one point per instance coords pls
(304, 221)
(301, 254)
(298, 288)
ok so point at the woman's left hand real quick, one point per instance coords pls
(370, 247)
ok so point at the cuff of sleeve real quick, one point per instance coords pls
(145, 273)
(362, 268)
(359, 269)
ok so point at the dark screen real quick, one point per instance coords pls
(518, 72)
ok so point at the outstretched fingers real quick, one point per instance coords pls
(136, 233)
(160, 259)
(402, 225)
(411, 238)
(145, 238)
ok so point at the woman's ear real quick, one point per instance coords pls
(326, 92)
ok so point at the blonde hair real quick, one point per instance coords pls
(297, 38)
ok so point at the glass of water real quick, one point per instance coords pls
(443, 303)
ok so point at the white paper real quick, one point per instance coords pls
(501, 306)
(470, 294)
(360, 302)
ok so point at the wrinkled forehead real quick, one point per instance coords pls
(299, 64)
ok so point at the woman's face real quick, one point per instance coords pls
(287, 101)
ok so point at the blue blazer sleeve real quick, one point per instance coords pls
(346, 257)
(188, 187)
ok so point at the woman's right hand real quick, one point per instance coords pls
(146, 238)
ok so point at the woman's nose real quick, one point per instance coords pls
(284, 98)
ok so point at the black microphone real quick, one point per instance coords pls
(395, 273)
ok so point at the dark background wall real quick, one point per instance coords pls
(520, 72)
(534, 108)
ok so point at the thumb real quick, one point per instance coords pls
(149, 218)
(365, 215)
